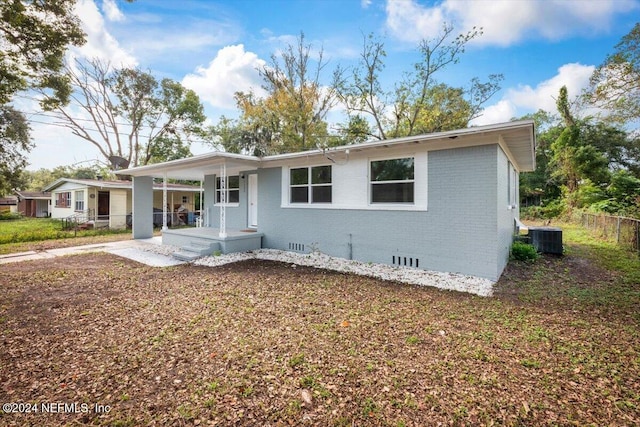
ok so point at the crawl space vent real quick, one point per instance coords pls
(297, 247)
(404, 261)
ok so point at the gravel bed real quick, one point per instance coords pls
(161, 249)
(449, 281)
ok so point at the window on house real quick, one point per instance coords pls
(63, 200)
(185, 199)
(80, 200)
(392, 181)
(232, 190)
(310, 185)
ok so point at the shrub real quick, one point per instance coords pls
(6, 216)
(521, 251)
(549, 210)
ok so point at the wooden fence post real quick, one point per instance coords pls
(618, 231)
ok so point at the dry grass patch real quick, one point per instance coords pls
(265, 343)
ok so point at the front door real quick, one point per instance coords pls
(103, 205)
(253, 201)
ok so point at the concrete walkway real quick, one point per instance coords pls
(131, 249)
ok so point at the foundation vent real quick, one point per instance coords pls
(297, 247)
(404, 261)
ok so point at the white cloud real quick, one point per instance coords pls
(365, 3)
(574, 76)
(111, 11)
(100, 43)
(410, 21)
(505, 22)
(526, 99)
(232, 70)
(500, 112)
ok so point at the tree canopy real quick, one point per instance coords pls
(129, 114)
(14, 141)
(615, 85)
(418, 103)
(34, 36)
(292, 116)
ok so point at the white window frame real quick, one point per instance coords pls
(309, 186)
(227, 191)
(185, 199)
(371, 182)
(79, 201)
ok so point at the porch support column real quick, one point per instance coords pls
(223, 200)
(164, 202)
(142, 217)
(209, 188)
(199, 223)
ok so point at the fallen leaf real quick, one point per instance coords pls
(306, 397)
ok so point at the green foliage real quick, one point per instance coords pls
(575, 163)
(41, 178)
(539, 183)
(552, 209)
(6, 216)
(291, 117)
(34, 36)
(14, 143)
(623, 195)
(615, 85)
(356, 130)
(418, 103)
(585, 195)
(160, 115)
(521, 251)
(37, 229)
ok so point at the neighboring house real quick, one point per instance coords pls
(35, 204)
(446, 201)
(108, 202)
(8, 204)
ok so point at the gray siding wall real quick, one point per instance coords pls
(236, 216)
(506, 216)
(458, 233)
(142, 218)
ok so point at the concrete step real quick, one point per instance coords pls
(202, 248)
(186, 255)
(195, 250)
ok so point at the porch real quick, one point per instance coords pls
(201, 241)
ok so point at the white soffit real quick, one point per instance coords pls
(518, 137)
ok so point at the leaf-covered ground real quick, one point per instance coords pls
(265, 343)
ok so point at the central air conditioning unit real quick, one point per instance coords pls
(547, 240)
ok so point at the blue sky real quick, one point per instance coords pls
(214, 47)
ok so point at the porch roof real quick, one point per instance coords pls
(516, 138)
(196, 167)
(116, 184)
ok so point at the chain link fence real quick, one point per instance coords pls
(624, 231)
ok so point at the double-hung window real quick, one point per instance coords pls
(79, 200)
(392, 181)
(310, 185)
(232, 190)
